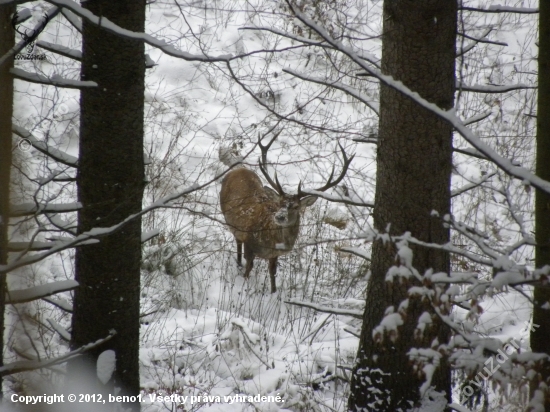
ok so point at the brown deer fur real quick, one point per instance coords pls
(265, 222)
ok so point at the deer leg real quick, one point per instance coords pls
(239, 253)
(249, 256)
(272, 272)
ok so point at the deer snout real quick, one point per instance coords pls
(281, 217)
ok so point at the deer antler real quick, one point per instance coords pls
(330, 183)
(263, 164)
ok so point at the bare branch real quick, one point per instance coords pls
(450, 116)
(471, 185)
(38, 28)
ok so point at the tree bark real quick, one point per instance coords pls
(110, 183)
(7, 40)
(413, 179)
(541, 317)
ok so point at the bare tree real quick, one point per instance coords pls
(110, 183)
(7, 39)
(412, 192)
(541, 297)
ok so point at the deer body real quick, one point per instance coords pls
(266, 223)
(265, 220)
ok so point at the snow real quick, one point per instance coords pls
(204, 328)
(106, 362)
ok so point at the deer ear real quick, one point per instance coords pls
(307, 201)
(272, 194)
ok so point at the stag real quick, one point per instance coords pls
(266, 220)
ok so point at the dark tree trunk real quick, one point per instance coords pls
(110, 186)
(540, 341)
(413, 179)
(7, 39)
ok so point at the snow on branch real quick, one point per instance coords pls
(37, 292)
(362, 253)
(55, 80)
(146, 236)
(57, 155)
(477, 118)
(61, 50)
(497, 8)
(325, 309)
(450, 116)
(250, 339)
(22, 366)
(480, 88)
(459, 408)
(470, 152)
(61, 331)
(111, 27)
(37, 246)
(75, 21)
(28, 209)
(60, 303)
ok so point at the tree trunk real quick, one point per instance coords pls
(541, 317)
(413, 179)
(110, 186)
(7, 39)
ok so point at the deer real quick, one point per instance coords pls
(266, 220)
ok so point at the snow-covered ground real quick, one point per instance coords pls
(207, 333)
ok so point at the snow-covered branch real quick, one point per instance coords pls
(480, 88)
(36, 246)
(61, 50)
(28, 209)
(326, 309)
(22, 366)
(60, 303)
(55, 80)
(497, 8)
(52, 152)
(37, 292)
(61, 331)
